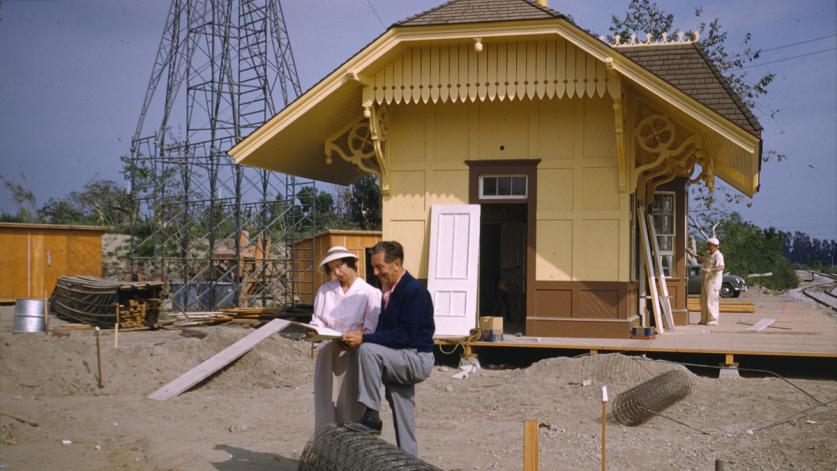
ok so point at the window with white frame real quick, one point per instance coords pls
(664, 217)
(504, 187)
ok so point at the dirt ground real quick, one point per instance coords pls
(257, 414)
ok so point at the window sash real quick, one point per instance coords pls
(496, 187)
(664, 214)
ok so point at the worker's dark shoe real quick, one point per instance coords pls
(366, 424)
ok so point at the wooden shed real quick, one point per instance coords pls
(519, 155)
(309, 279)
(33, 256)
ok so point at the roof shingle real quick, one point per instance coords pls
(480, 11)
(688, 68)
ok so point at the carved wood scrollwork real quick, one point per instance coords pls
(363, 143)
(657, 135)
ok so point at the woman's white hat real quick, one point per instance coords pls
(714, 241)
(336, 253)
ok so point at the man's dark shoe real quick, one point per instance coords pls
(366, 424)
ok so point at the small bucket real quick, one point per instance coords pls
(29, 316)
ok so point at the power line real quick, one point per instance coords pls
(783, 46)
(369, 2)
(798, 43)
(788, 58)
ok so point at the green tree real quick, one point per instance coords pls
(750, 249)
(100, 202)
(365, 203)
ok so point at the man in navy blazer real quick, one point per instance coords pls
(399, 354)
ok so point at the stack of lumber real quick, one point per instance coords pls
(93, 300)
(727, 305)
(136, 313)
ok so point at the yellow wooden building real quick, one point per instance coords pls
(560, 137)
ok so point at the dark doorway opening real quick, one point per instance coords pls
(503, 244)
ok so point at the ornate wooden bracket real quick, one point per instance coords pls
(657, 135)
(363, 143)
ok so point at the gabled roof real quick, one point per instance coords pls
(687, 67)
(679, 74)
(480, 11)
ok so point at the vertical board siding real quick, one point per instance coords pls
(550, 68)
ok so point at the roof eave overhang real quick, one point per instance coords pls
(352, 71)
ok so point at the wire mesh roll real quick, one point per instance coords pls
(640, 403)
(336, 448)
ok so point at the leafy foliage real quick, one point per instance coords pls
(750, 249)
(23, 197)
(100, 203)
(647, 16)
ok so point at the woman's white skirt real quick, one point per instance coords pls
(335, 386)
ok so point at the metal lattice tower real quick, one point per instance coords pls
(220, 233)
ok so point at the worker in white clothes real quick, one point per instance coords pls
(346, 304)
(712, 276)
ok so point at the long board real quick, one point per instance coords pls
(665, 300)
(649, 272)
(221, 359)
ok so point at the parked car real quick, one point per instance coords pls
(732, 285)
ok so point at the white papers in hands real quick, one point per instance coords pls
(323, 333)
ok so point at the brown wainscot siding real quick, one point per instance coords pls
(583, 309)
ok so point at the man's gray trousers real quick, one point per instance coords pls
(398, 370)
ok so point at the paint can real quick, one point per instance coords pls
(29, 316)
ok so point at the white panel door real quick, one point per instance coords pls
(452, 273)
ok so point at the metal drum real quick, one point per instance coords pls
(29, 316)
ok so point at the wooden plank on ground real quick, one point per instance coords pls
(761, 325)
(206, 369)
(531, 445)
(728, 306)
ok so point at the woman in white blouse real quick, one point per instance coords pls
(346, 304)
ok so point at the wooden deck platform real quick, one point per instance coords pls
(799, 330)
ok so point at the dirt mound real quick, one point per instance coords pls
(46, 366)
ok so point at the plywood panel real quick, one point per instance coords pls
(411, 235)
(598, 303)
(599, 188)
(554, 258)
(554, 302)
(406, 142)
(32, 259)
(599, 132)
(407, 193)
(14, 264)
(597, 250)
(450, 133)
(555, 130)
(503, 130)
(448, 187)
(555, 193)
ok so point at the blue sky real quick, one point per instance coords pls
(73, 75)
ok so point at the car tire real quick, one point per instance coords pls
(727, 291)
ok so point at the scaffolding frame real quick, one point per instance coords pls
(219, 233)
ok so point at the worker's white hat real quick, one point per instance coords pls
(714, 241)
(336, 253)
